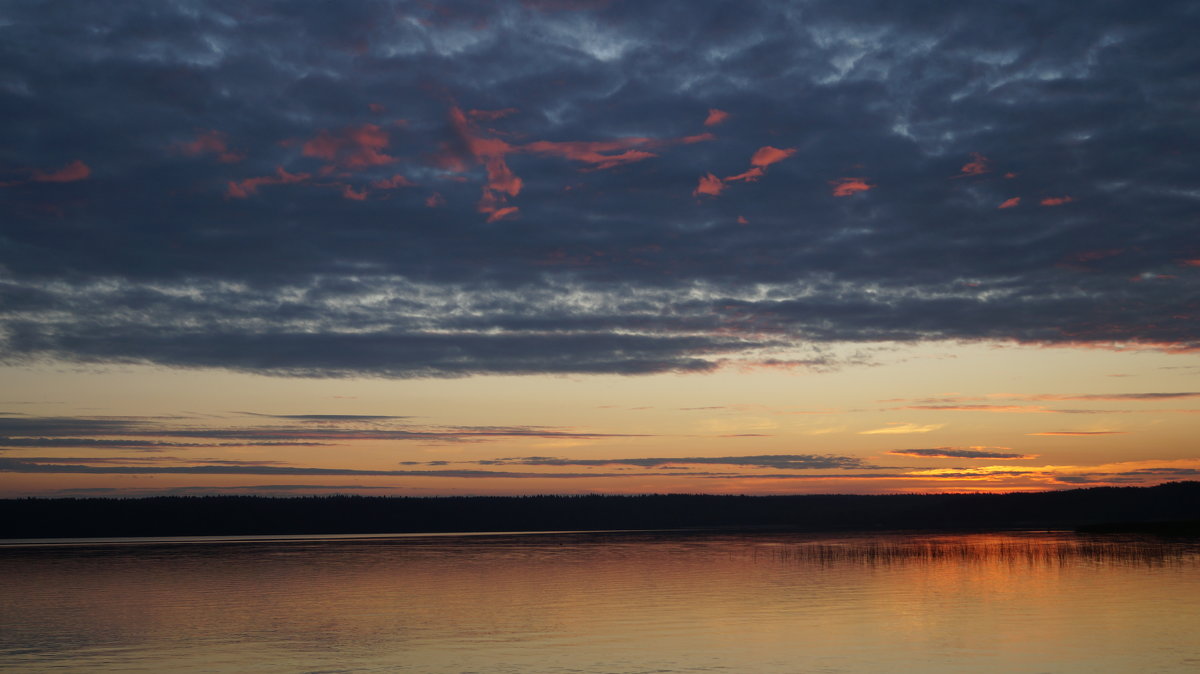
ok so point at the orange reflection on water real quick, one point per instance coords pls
(608, 603)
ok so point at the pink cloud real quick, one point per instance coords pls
(845, 187)
(1079, 433)
(742, 220)
(502, 183)
(715, 117)
(376, 108)
(1056, 201)
(392, 183)
(502, 213)
(759, 161)
(750, 175)
(978, 166)
(211, 142)
(435, 200)
(354, 147)
(1010, 203)
(765, 156)
(243, 189)
(600, 154)
(710, 185)
(76, 170)
(350, 193)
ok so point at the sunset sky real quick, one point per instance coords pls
(588, 246)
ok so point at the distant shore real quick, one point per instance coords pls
(1171, 508)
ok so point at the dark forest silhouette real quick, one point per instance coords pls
(1097, 508)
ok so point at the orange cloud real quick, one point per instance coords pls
(710, 185)
(742, 220)
(767, 155)
(978, 165)
(435, 200)
(76, 170)
(593, 152)
(243, 189)
(352, 147)
(211, 142)
(1010, 203)
(1056, 201)
(715, 117)
(1190, 263)
(844, 187)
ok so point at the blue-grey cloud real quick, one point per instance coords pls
(959, 453)
(400, 190)
(134, 433)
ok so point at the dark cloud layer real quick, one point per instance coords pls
(153, 434)
(403, 189)
(811, 461)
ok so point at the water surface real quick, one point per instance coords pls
(611, 602)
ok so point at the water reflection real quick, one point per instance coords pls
(607, 603)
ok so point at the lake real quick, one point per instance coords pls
(604, 602)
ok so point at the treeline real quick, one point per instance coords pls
(257, 515)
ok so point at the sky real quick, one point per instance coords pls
(589, 246)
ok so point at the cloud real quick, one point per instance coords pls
(392, 183)
(599, 154)
(845, 187)
(323, 418)
(902, 428)
(354, 147)
(76, 170)
(977, 408)
(780, 461)
(960, 453)
(248, 186)
(709, 185)
(491, 115)
(1149, 395)
(1011, 202)
(211, 142)
(1079, 433)
(978, 166)
(767, 155)
(1056, 201)
(715, 117)
(161, 255)
(302, 430)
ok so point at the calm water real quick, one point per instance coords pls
(606, 603)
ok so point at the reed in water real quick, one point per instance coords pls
(1138, 551)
